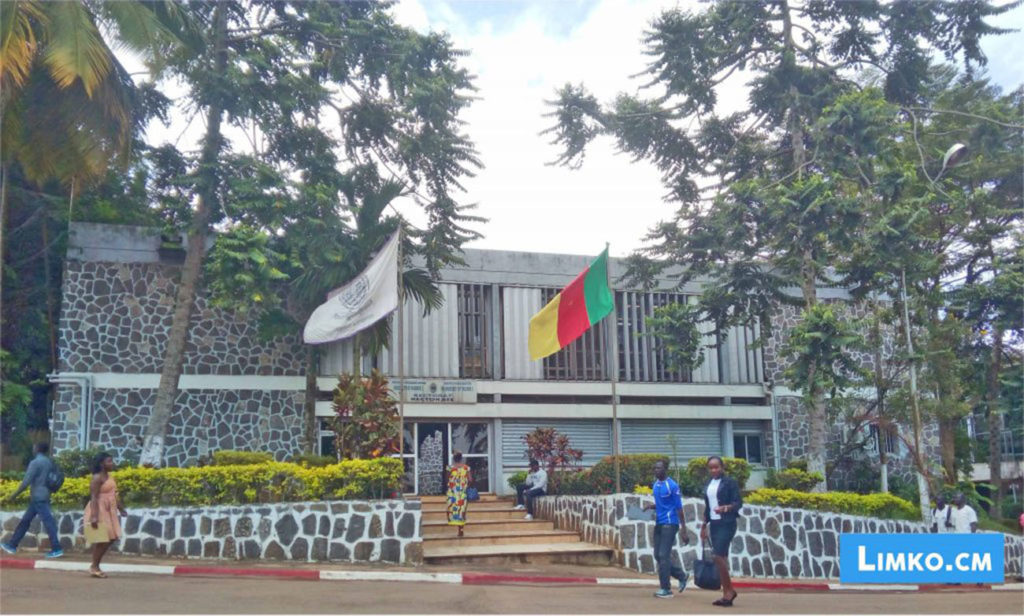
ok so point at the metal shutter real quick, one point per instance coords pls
(594, 437)
(748, 426)
(695, 437)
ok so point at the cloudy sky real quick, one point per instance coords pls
(520, 52)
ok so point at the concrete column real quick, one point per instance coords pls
(496, 351)
(498, 471)
(728, 450)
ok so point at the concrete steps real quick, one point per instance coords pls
(496, 533)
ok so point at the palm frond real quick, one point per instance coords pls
(74, 49)
(17, 40)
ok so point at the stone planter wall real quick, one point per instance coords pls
(770, 542)
(350, 531)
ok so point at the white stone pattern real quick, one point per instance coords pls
(431, 464)
(770, 542)
(350, 531)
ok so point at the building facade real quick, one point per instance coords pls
(470, 383)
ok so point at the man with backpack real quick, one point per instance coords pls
(44, 478)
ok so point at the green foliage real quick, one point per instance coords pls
(737, 468)
(793, 479)
(270, 482)
(517, 479)
(240, 267)
(797, 464)
(366, 417)
(77, 462)
(675, 327)
(313, 460)
(818, 349)
(634, 468)
(226, 457)
(873, 505)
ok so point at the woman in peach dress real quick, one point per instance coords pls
(103, 509)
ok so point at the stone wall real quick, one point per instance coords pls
(350, 531)
(770, 542)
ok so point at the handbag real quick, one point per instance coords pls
(100, 534)
(472, 494)
(705, 573)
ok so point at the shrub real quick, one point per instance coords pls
(798, 464)
(77, 462)
(228, 457)
(12, 475)
(793, 479)
(645, 490)
(874, 505)
(1012, 510)
(635, 468)
(737, 468)
(551, 449)
(252, 483)
(312, 459)
(574, 483)
(516, 480)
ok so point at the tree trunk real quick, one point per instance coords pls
(174, 356)
(876, 342)
(310, 425)
(51, 325)
(995, 424)
(947, 443)
(4, 178)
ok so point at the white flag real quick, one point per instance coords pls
(372, 295)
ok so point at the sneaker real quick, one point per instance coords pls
(682, 581)
(664, 594)
(528, 517)
(519, 507)
(6, 547)
(55, 553)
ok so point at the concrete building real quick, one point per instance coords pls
(471, 384)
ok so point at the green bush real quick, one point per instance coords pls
(516, 480)
(228, 457)
(574, 483)
(737, 468)
(1012, 510)
(312, 459)
(793, 479)
(12, 475)
(251, 483)
(798, 464)
(77, 462)
(634, 468)
(874, 505)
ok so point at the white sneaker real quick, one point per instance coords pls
(528, 517)
(519, 507)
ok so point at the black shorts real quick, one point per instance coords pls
(722, 532)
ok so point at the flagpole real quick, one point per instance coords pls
(614, 364)
(401, 355)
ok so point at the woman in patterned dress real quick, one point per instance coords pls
(459, 480)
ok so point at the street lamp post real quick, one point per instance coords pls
(952, 157)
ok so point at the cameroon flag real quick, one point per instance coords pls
(579, 306)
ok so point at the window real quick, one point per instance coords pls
(748, 447)
(888, 436)
(641, 356)
(475, 331)
(327, 444)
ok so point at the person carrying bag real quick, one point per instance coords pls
(705, 571)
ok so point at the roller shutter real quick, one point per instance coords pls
(594, 437)
(694, 437)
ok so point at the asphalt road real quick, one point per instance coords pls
(58, 592)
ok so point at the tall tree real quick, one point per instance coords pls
(768, 218)
(279, 70)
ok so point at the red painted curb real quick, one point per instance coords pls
(494, 578)
(782, 586)
(17, 563)
(295, 574)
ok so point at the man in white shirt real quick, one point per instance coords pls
(963, 517)
(942, 516)
(536, 484)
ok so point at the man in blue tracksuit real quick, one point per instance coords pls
(38, 504)
(668, 503)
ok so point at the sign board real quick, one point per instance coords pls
(437, 391)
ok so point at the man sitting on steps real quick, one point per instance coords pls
(536, 484)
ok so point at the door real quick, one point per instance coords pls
(473, 440)
(432, 457)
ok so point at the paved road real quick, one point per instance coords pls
(57, 592)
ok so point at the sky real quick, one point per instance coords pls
(521, 52)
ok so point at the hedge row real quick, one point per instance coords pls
(239, 484)
(873, 505)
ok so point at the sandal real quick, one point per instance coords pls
(97, 574)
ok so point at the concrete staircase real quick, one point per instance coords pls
(496, 533)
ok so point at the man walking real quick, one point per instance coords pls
(37, 476)
(964, 518)
(668, 504)
(942, 516)
(536, 484)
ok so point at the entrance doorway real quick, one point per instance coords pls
(428, 448)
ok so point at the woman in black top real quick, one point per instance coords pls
(722, 504)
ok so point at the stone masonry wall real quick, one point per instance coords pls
(770, 542)
(350, 531)
(204, 421)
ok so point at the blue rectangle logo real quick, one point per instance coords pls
(921, 558)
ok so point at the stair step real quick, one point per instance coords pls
(474, 516)
(443, 498)
(483, 537)
(521, 526)
(575, 553)
(473, 507)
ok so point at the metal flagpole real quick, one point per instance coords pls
(613, 328)
(401, 355)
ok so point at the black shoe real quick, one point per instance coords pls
(682, 581)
